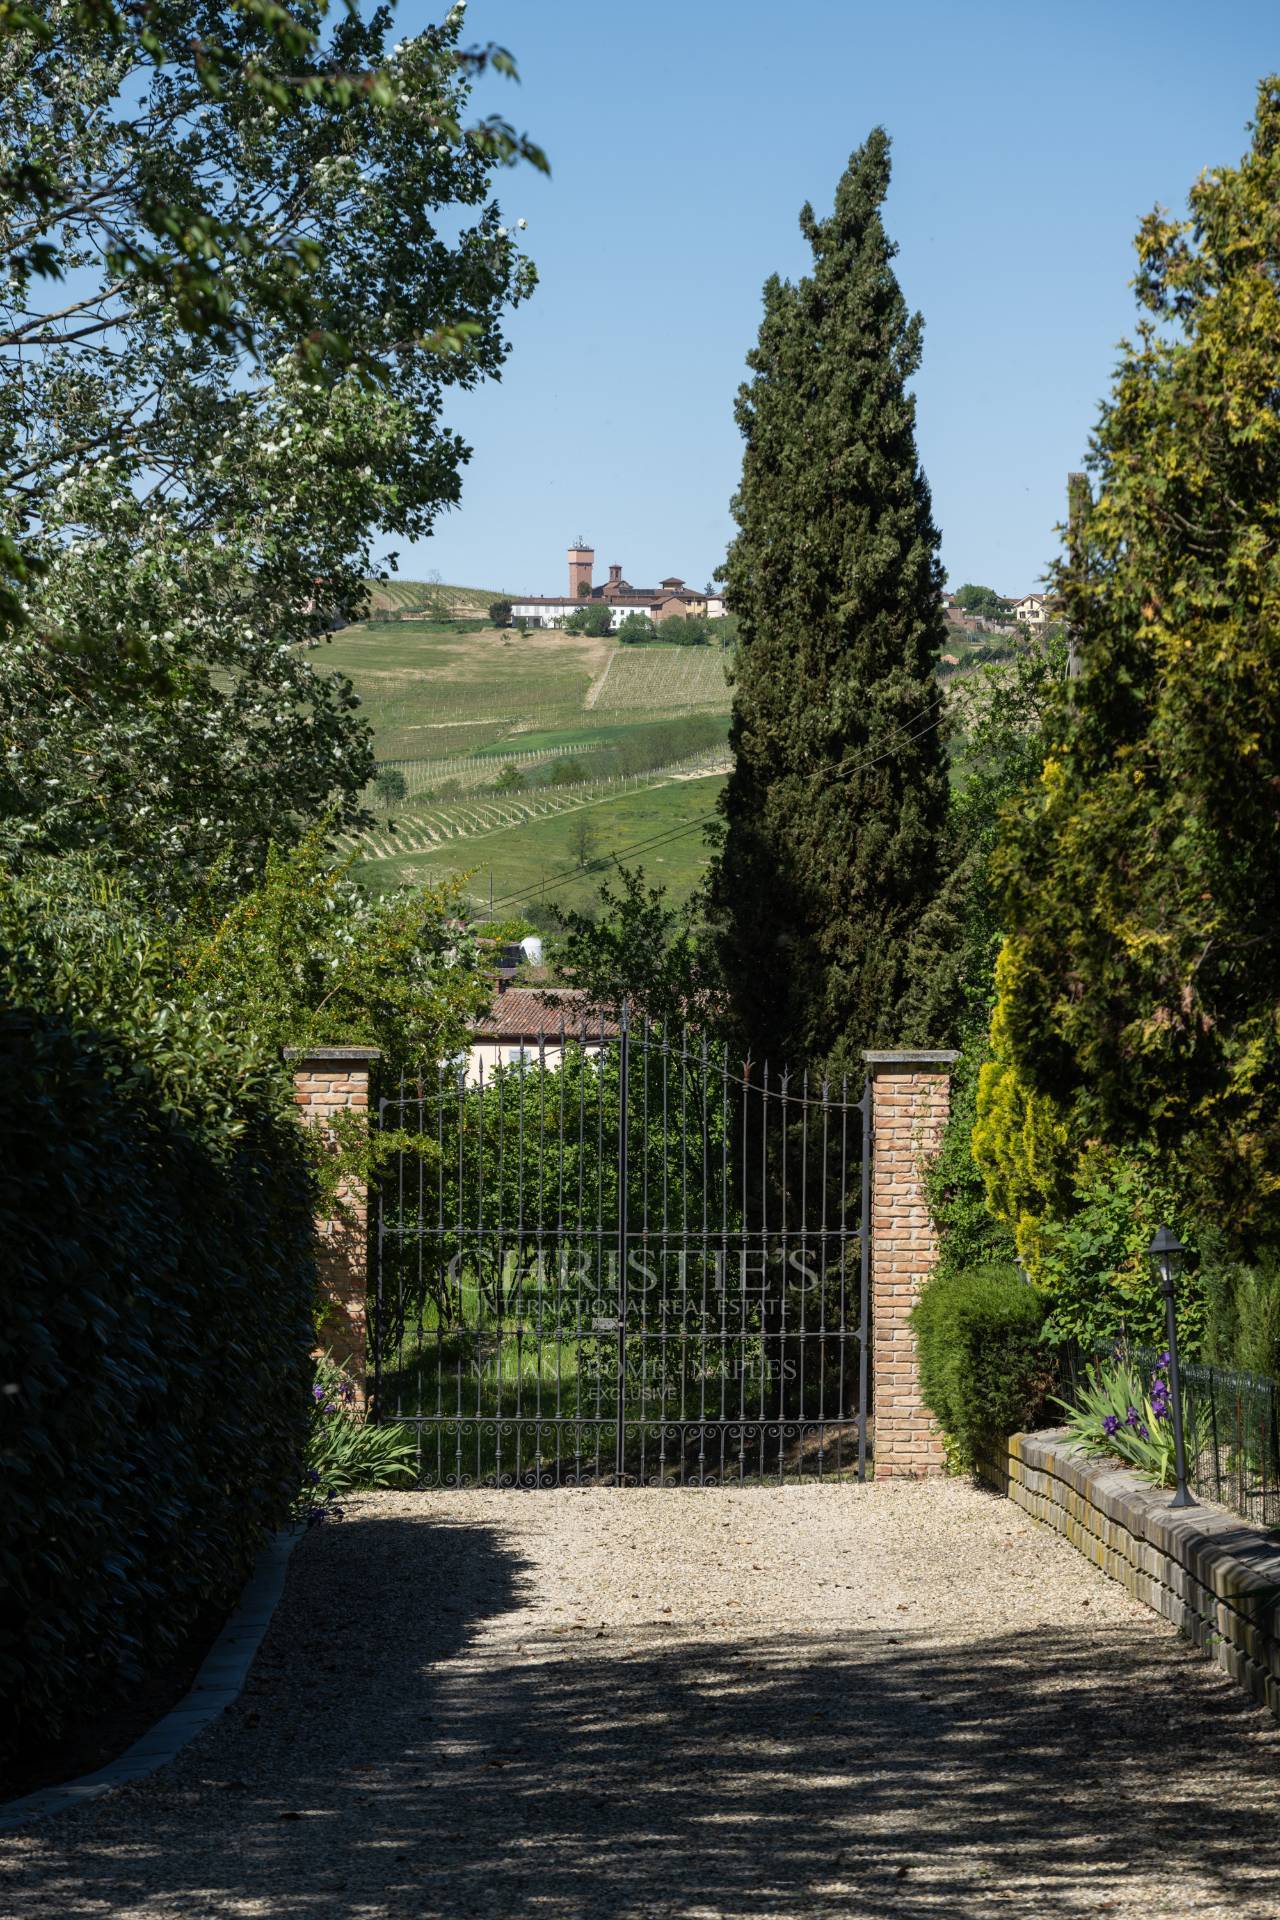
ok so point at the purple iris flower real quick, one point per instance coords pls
(1110, 1423)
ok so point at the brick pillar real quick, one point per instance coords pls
(326, 1081)
(910, 1101)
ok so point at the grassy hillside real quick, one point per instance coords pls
(508, 742)
(420, 596)
(660, 827)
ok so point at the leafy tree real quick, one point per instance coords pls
(638, 948)
(1002, 716)
(308, 956)
(500, 613)
(985, 602)
(584, 839)
(510, 780)
(685, 630)
(834, 813)
(635, 629)
(596, 619)
(1141, 887)
(567, 773)
(390, 786)
(238, 378)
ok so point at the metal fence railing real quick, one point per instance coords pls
(1232, 1422)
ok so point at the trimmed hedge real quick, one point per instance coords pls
(155, 1327)
(984, 1370)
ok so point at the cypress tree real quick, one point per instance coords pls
(834, 814)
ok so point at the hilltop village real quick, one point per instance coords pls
(671, 598)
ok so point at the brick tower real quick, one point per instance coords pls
(582, 562)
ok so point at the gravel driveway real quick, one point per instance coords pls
(893, 1700)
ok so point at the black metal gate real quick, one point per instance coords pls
(621, 1259)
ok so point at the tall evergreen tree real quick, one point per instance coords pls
(832, 843)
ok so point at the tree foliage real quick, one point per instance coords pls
(1141, 888)
(682, 630)
(595, 619)
(249, 254)
(985, 602)
(307, 957)
(390, 786)
(635, 629)
(640, 949)
(834, 812)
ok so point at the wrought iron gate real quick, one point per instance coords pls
(621, 1259)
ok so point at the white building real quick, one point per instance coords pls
(535, 1026)
(1032, 610)
(550, 611)
(669, 598)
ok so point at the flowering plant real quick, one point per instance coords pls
(1115, 1413)
(345, 1451)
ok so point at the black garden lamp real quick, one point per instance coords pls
(1166, 1252)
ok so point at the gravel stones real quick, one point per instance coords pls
(899, 1699)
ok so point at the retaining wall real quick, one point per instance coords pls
(1216, 1577)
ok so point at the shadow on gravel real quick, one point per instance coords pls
(405, 1752)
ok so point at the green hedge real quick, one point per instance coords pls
(984, 1371)
(155, 1214)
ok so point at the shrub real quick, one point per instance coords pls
(567, 773)
(635, 630)
(1242, 1313)
(155, 1204)
(969, 1234)
(984, 1369)
(156, 1200)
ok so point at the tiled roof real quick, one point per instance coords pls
(531, 1014)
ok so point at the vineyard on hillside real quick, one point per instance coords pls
(660, 679)
(608, 746)
(419, 829)
(416, 596)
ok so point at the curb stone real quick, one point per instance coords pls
(219, 1681)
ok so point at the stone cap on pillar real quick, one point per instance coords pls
(353, 1054)
(936, 1057)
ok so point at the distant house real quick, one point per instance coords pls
(670, 596)
(1032, 610)
(534, 1026)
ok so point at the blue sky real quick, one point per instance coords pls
(684, 135)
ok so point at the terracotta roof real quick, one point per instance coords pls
(530, 1014)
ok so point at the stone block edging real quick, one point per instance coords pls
(217, 1684)
(1210, 1573)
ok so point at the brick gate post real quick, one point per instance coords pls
(910, 1102)
(327, 1081)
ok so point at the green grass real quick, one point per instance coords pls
(590, 731)
(438, 691)
(428, 689)
(538, 860)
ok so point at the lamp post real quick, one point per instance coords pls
(1165, 1252)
